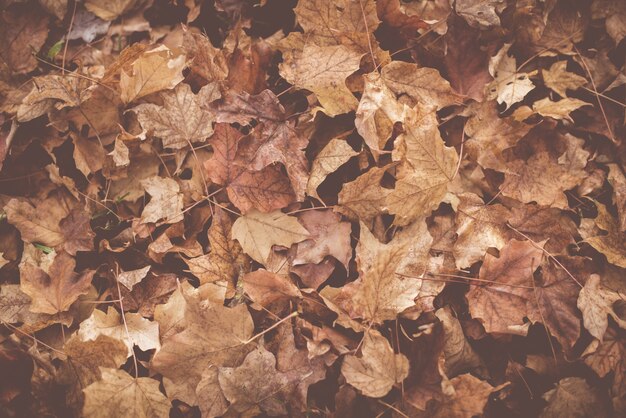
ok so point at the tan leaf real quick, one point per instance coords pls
(265, 287)
(489, 135)
(377, 112)
(543, 179)
(211, 399)
(36, 228)
(54, 291)
(378, 369)
(469, 398)
(560, 80)
(479, 227)
(480, 13)
(182, 119)
(257, 232)
(141, 332)
(77, 232)
(166, 201)
(335, 154)
(596, 304)
(84, 359)
(364, 197)
(206, 61)
(131, 277)
(422, 84)
(153, 71)
(427, 166)
(612, 245)
(63, 91)
(501, 304)
(255, 383)
(323, 70)
(618, 182)
(458, 352)
(118, 394)
(558, 110)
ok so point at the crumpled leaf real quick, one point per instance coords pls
(378, 369)
(118, 394)
(611, 244)
(257, 232)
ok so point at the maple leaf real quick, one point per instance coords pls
(33, 228)
(153, 71)
(378, 369)
(257, 232)
(54, 290)
(323, 70)
(22, 33)
(560, 80)
(184, 355)
(265, 190)
(181, 120)
(596, 304)
(226, 260)
(118, 394)
(255, 383)
(265, 287)
(329, 236)
(611, 244)
(469, 398)
(132, 330)
(364, 198)
(166, 201)
(131, 277)
(573, 395)
(501, 304)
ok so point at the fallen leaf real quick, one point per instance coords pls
(560, 80)
(131, 277)
(611, 243)
(335, 154)
(166, 202)
(508, 86)
(596, 304)
(378, 369)
(257, 232)
(118, 394)
(573, 397)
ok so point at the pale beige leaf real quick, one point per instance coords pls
(131, 277)
(166, 202)
(558, 110)
(480, 13)
(257, 232)
(141, 332)
(596, 304)
(120, 395)
(611, 243)
(508, 86)
(323, 70)
(378, 369)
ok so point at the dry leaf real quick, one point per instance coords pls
(335, 154)
(560, 80)
(378, 369)
(596, 304)
(166, 201)
(131, 277)
(257, 232)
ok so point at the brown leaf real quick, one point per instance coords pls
(54, 290)
(254, 384)
(131, 277)
(573, 396)
(166, 201)
(265, 287)
(609, 243)
(35, 228)
(77, 232)
(482, 13)
(335, 154)
(468, 400)
(501, 304)
(596, 304)
(618, 181)
(111, 9)
(329, 237)
(560, 80)
(364, 198)
(22, 32)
